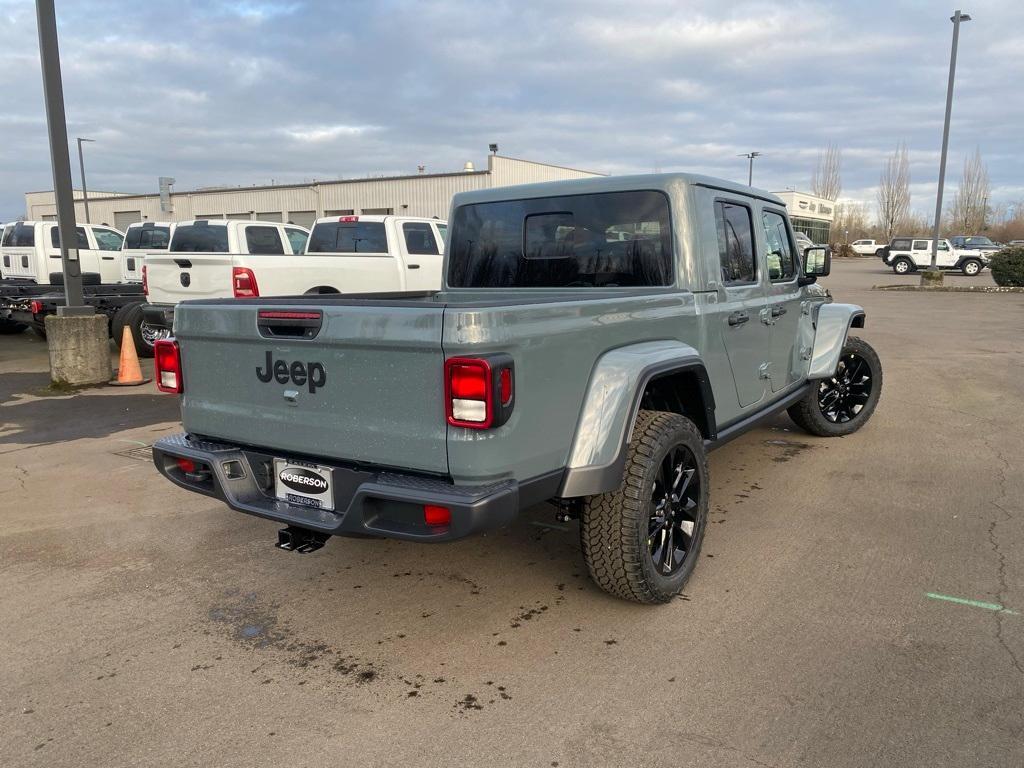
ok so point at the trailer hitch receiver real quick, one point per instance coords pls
(301, 540)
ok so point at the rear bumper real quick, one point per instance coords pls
(367, 502)
(158, 315)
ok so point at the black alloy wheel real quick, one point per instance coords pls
(843, 396)
(675, 500)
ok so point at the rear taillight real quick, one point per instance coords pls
(145, 282)
(36, 307)
(479, 391)
(243, 283)
(167, 357)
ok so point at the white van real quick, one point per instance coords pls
(141, 238)
(30, 251)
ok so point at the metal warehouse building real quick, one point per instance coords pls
(420, 195)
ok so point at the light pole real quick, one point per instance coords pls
(935, 275)
(750, 173)
(81, 166)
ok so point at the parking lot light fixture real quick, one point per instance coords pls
(933, 275)
(750, 173)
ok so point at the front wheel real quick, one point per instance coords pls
(971, 267)
(842, 404)
(642, 540)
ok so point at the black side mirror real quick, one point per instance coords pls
(817, 263)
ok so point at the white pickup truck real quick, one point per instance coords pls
(866, 247)
(30, 251)
(243, 259)
(216, 259)
(141, 238)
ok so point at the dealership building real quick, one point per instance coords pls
(810, 214)
(421, 194)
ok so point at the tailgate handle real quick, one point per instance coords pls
(183, 263)
(289, 324)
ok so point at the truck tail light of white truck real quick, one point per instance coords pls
(243, 283)
(167, 357)
(479, 391)
(145, 281)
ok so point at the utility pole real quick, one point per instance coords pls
(750, 171)
(81, 167)
(936, 275)
(53, 92)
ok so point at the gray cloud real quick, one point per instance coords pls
(247, 91)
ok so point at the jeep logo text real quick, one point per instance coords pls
(301, 374)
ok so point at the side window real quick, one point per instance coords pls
(83, 241)
(107, 239)
(780, 257)
(920, 245)
(263, 240)
(442, 229)
(943, 246)
(419, 239)
(297, 239)
(735, 243)
(900, 244)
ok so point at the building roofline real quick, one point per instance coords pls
(549, 165)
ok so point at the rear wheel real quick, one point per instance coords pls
(144, 335)
(902, 266)
(842, 404)
(971, 267)
(880, 253)
(641, 541)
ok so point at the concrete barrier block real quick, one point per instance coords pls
(79, 349)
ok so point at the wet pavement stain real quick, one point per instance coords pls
(790, 449)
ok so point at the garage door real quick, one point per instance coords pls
(123, 218)
(302, 218)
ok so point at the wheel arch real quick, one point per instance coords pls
(662, 375)
(831, 329)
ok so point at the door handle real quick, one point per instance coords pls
(738, 318)
(414, 266)
(778, 311)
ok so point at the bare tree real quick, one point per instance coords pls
(968, 210)
(851, 221)
(827, 179)
(894, 192)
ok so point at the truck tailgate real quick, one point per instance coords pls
(174, 277)
(368, 388)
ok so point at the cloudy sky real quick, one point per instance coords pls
(245, 91)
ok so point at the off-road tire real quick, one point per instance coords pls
(614, 525)
(807, 413)
(906, 264)
(971, 267)
(132, 316)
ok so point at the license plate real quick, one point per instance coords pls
(307, 485)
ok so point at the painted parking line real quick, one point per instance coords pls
(972, 603)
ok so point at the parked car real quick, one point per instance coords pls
(556, 362)
(218, 258)
(1016, 242)
(974, 243)
(867, 247)
(906, 254)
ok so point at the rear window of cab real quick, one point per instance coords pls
(348, 237)
(608, 240)
(200, 238)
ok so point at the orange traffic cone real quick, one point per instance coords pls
(129, 373)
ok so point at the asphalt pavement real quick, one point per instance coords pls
(860, 601)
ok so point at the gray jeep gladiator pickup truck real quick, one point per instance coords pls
(591, 341)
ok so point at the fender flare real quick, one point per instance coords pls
(610, 406)
(831, 329)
